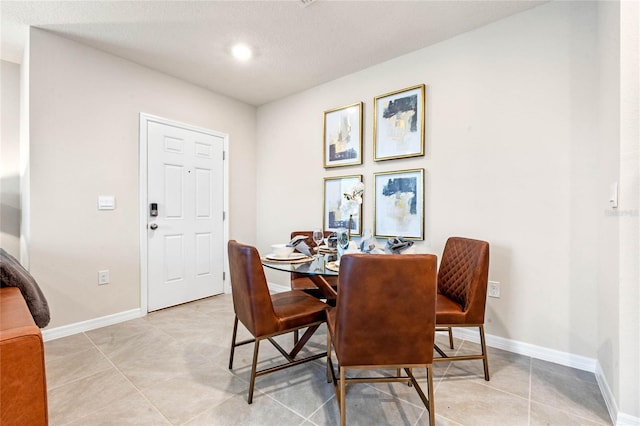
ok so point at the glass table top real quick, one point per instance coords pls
(316, 266)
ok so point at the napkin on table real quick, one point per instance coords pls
(298, 243)
(398, 244)
(367, 242)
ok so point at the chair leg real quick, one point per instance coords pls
(296, 336)
(329, 375)
(343, 404)
(432, 405)
(253, 371)
(451, 338)
(485, 361)
(233, 342)
(410, 373)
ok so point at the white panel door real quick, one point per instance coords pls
(186, 238)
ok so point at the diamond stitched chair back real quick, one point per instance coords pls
(384, 319)
(462, 292)
(265, 315)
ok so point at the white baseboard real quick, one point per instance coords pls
(619, 419)
(605, 390)
(79, 327)
(534, 351)
(627, 420)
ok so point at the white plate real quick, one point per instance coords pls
(292, 256)
(333, 266)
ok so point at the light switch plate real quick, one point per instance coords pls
(106, 202)
(103, 277)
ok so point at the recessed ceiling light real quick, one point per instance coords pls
(241, 52)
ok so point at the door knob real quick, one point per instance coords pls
(153, 226)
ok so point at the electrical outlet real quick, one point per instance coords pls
(494, 289)
(103, 277)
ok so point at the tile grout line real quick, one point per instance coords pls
(308, 419)
(210, 408)
(71, 381)
(129, 381)
(320, 411)
(554, 407)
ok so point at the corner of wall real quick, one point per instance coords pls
(24, 155)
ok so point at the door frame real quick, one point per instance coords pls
(144, 202)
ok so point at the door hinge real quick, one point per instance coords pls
(224, 275)
(224, 155)
(224, 215)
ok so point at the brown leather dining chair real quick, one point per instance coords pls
(384, 319)
(266, 315)
(462, 293)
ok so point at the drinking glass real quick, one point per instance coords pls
(318, 236)
(343, 238)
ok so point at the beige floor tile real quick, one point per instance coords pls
(268, 355)
(470, 403)
(113, 335)
(60, 348)
(171, 367)
(302, 388)
(148, 345)
(544, 415)
(401, 390)
(76, 365)
(146, 370)
(236, 411)
(368, 406)
(132, 410)
(179, 399)
(508, 372)
(573, 391)
(81, 398)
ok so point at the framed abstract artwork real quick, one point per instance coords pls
(399, 204)
(398, 126)
(334, 215)
(343, 136)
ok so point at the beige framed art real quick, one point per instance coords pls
(337, 212)
(399, 204)
(342, 136)
(398, 126)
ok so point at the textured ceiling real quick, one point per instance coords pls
(295, 47)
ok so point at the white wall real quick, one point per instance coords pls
(84, 107)
(10, 158)
(629, 248)
(618, 347)
(511, 145)
(608, 170)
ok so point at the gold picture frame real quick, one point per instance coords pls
(334, 190)
(399, 204)
(342, 136)
(398, 124)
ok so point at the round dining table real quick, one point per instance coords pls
(316, 268)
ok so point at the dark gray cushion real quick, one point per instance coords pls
(13, 274)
